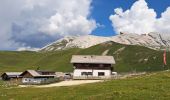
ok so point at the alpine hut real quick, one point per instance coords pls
(92, 66)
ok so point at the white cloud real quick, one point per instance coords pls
(27, 49)
(140, 19)
(71, 18)
(163, 23)
(35, 23)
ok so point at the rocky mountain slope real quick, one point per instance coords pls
(75, 42)
(151, 40)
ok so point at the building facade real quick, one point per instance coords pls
(37, 77)
(92, 67)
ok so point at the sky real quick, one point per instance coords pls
(31, 24)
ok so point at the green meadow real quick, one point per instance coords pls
(153, 86)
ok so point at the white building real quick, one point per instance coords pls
(92, 66)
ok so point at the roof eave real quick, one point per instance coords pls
(92, 63)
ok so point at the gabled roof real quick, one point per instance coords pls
(35, 73)
(92, 59)
(13, 73)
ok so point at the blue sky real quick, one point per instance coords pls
(102, 9)
(31, 24)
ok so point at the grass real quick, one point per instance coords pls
(131, 58)
(19, 61)
(147, 87)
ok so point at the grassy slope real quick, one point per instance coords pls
(19, 61)
(149, 87)
(132, 58)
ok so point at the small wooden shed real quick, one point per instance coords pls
(11, 75)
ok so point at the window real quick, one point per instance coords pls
(101, 73)
(83, 73)
(86, 73)
(89, 73)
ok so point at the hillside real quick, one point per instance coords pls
(128, 58)
(148, 87)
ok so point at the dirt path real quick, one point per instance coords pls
(105, 52)
(63, 83)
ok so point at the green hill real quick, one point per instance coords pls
(128, 58)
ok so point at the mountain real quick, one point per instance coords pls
(131, 51)
(58, 45)
(128, 58)
(151, 40)
(75, 42)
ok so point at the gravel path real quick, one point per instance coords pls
(63, 83)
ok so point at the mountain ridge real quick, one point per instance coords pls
(151, 40)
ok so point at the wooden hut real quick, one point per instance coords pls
(11, 76)
(36, 76)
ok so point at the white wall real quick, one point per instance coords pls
(77, 72)
(32, 80)
(107, 72)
